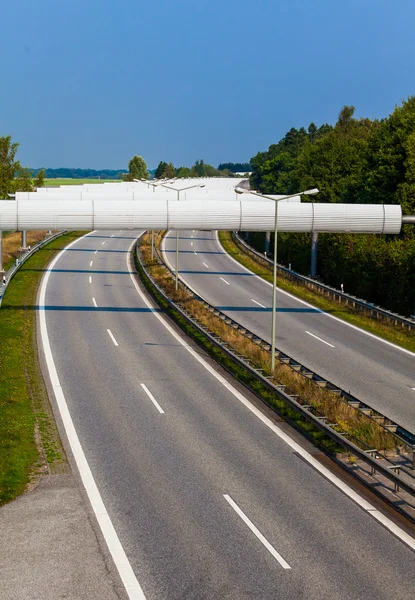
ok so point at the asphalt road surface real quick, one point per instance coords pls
(209, 499)
(376, 372)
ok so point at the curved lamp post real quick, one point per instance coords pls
(169, 187)
(312, 192)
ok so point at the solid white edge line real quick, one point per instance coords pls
(304, 303)
(319, 339)
(95, 302)
(150, 395)
(341, 485)
(126, 573)
(112, 337)
(227, 282)
(257, 533)
(259, 304)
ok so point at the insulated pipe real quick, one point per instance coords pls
(408, 219)
(243, 215)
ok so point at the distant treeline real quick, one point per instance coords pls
(355, 161)
(200, 169)
(235, 167)
(64, 173)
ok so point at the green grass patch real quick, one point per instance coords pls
(57, 182)
(393, 333)
(29, 440)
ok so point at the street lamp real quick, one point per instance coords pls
(169, 187)
(154, 189)
(312, 192)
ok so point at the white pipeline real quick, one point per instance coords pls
(243, 215)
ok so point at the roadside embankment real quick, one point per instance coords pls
(29, 441)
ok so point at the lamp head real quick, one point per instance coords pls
(239, 190)
(312, 192)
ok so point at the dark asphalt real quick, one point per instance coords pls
(163, 477)
(375, 372)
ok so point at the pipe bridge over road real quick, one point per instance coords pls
(113, 211)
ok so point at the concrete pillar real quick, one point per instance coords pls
(267, 242)
(24, 240)
(314, 253)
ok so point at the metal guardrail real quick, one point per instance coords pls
(21, 260)
(321, 424)
(402, 434)
(349, 300)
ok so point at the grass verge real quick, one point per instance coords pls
(395, 334)
(29, 440)
(349, 420)
(12, 243)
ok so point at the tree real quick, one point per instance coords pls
(137, 169)
(183, 172)
(23, 181)
(40, 179)
(8, 165)
(158, 173)
(169, 171)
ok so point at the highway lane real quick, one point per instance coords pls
(175, 482)
(376, 372)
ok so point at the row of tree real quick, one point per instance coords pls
(354, 161)
(14, 177)
(199, 169)
(65, 173)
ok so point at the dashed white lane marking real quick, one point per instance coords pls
(91, 263)
(413, 389)
(191, 236)
(131, 584)
(113, 235)
(102, 243)
(320, 340)
(322, 312)
(195, 252)
(326, 473)
(227, 282)
(256, 532)
(207, 266)
(95, 302)
(259, 304)
(191, 243)
(96, 252)
(154, 401)
(112, 337)
(90, 279)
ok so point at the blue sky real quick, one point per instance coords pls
(91, 83)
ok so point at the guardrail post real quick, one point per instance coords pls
(314, 253)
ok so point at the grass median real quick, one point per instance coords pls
(29, 440)
(393, 333)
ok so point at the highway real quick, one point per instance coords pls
(209, 498)
(376, 372)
